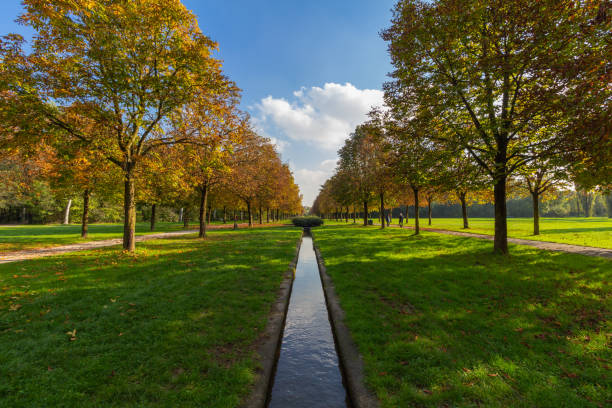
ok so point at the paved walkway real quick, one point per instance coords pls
(549, 246)
(58, 250)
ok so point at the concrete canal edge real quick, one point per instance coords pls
(350, 359)
(270, 340)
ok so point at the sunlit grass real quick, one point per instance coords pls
(441, 321)
(172, 325)
(22, 237)
(595, 232)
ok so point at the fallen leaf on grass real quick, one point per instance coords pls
(493, 375)
(15, 307)
(570, 375)
(72, 334)
(426, 391)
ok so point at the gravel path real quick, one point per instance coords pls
(58, 250)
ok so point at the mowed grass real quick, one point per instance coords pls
(23, 237)
(441, 321)
(593, 232)
(175, 324)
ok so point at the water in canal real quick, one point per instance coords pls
(308, 373)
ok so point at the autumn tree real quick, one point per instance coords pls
(216, 126)
(356, 158)
(253, 165)
(126, 66)
(540, 178)
(162, 179)
(76, 169)
(414, 155)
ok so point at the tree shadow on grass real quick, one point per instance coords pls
(173, 324)
(441, 320)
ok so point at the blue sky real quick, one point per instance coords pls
(309, 70)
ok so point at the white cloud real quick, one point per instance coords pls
(318, 116)
(310, 180)
(280, 145)
(329, 165)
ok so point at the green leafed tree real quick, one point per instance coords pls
(493, 74)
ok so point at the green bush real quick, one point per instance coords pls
(309, 221)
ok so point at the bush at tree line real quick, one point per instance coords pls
(310, 221)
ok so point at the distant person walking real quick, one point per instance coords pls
(401, 220)
(388, 218)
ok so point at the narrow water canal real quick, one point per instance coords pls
(308, 373)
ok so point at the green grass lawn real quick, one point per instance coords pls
(173, 325)
(21, 237)
(594, 232)
(441, 321)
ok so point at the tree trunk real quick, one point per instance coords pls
(129, 210)
(609, 204)
(500, 242)
(365, 213)
(416, 211)
(429, 210)
(535, 198)
(464, 211)
(153, 215)
(203, 208)
(180, 215)
(224, 214)
(382, 210)
(67, 213)
(250, 214)
(235, 223)
(186, 218)
(588, 208)
(85, 219)
(260, 216)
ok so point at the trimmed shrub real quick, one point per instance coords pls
(310, 221)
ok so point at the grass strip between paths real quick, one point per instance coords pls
(175, 324)
(441, 321)
(592, 232)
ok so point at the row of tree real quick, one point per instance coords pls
(129, 93)
(485, 95)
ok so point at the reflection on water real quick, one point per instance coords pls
(308, 374)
